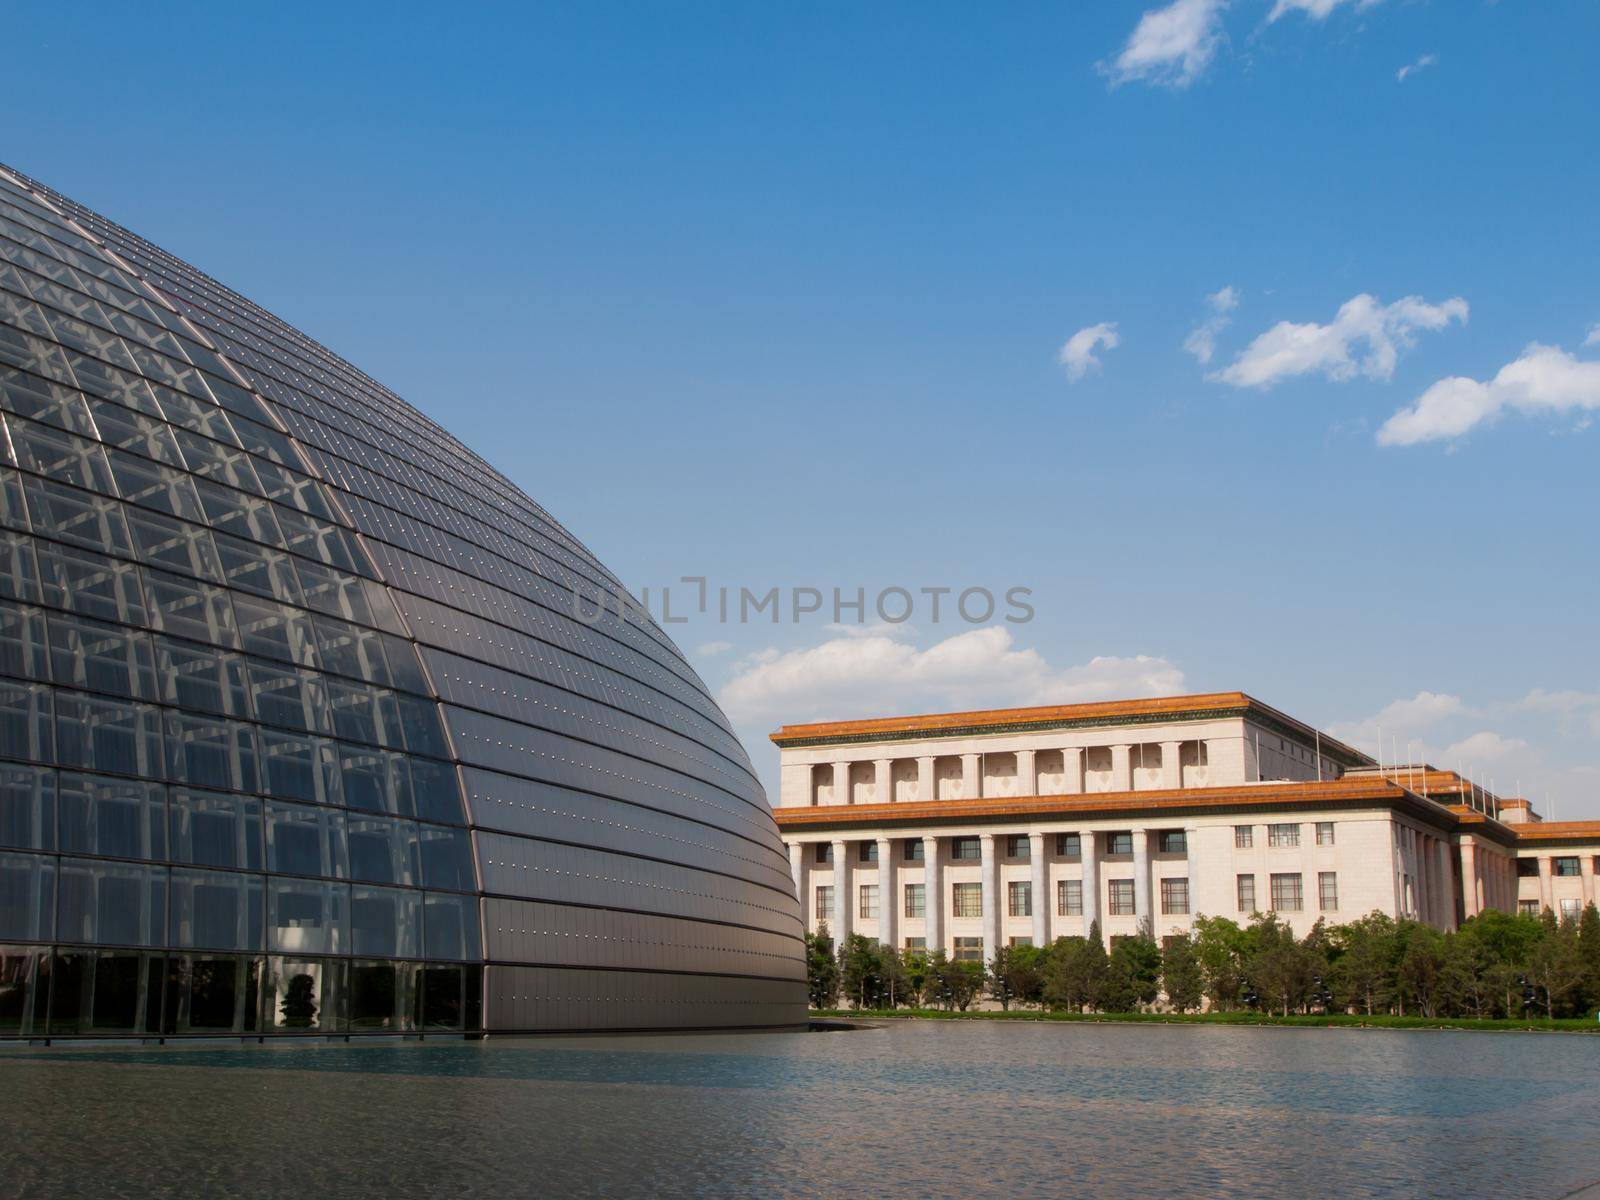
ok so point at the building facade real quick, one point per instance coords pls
(970, 831)
(311, 722)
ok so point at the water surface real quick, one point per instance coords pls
(913, 1109)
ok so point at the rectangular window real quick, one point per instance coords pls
(916, 900)
(1069, 898)
(1247, 893)
(825, 902)
(1017, 845)
(1528, 908)
(1021, 941)
(969, 949)
(1286, 895)
(1244, 837)
(1019, 898)
(965, 847)
(1328, 891)
(867, 901)
(216, 910)
(1121, 897)
(1324, 833)
(1570, 909)
(1527, 868)
(1119, 843)
(1174, 897)
(911, 850)
(916, 945)
(1069, 845)
(1172, 841)
(1283, 836)
(1558, 866)
(968, 900)
(824, 852)
(867, 852)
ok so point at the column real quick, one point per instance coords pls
(1192, 853)
(1172, 764)
(842, 908)
(841, 783)
(1089, 841)
(1544, 883)
(925, 788)
(1586, 869)
(1027, 775)
(932, 894)
(1141, 880)
(797, 869)
(883, 793)
(1447, 889)
(888, 910)
(1471, 900)
(1424, 878)
(1121, 769)
(1072, 760)
(991, 902)
(1039, 872)
(971, 777)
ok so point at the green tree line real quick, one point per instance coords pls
(1495, 965)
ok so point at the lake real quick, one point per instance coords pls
(914, 1109)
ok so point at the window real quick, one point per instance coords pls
(964, 847)
(969, 949)
(1570, 909)
(1558, 866)
(1328, 891)
(867, 901)
(916, 900)
(305, 916)
(1172, 841)
(1119, 843)
(121, 903)
(1283, 836)
(1527, 868)
(449, 926)
(968, 899)
(216, 910)
(825, 902)
(1174, 897)
(867, 852)
(1017, 846)
(1324, 833)
(911, 850)
(1069, 845)
(1019, 898)
(1528, 908)
(1244, 837)
(824, 852)
(916, 945)
(1121, 897)
(1286, 895)
(1021, 941)
(1069, 898)
(1247, 893)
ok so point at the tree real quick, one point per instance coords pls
(1422, 968)
(1281, 969)
(894, 976)
(965, 983)
(1016, 975)
(1219, 945)
(860, 970)
(1075, 973)
(1364, 968)
(1555, 967)
(299, 1003)
(1181, 977)
(822, 972)
(1589, 957)
(1133, 974)
(936, 991)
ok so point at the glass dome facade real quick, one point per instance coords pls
(301, 730)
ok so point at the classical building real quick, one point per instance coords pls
(303, 729)
(968, 831)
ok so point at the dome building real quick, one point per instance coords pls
(301, 728)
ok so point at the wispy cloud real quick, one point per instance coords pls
(1171, 45)
(1544, 380)
(1077, 355)
(1364, 338)
(1317, 10)
(1202, 339)
(1592, 338)
(712, 649)
(1411, 68)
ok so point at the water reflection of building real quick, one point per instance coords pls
(299, 731)
(970, 830)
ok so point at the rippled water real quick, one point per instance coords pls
(917, 1109)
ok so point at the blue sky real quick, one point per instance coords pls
(783, 296)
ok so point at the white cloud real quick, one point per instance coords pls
(1317, 10)
(1289, 349)
(1399, 721)
(1078, 353)
(1171, 45)
(1411, 68)
(1202, 339)
(1484, 749)
(849, 677)
(712, 649)
(1545, 380)
(1592, 338)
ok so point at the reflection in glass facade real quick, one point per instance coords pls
(300, 729)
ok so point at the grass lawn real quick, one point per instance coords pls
(1531, 1024)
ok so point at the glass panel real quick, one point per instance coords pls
(215, 994)
(300, 767)
(27, 807)
(101, 658)
(385, 921)
(372, 781)
(308, 917)
(288, 696)
(22, 999)
(211, 753)
(450, 926)
(216, 910)
(22, 643)
(383, 996)
(275, 630)
(104, 992)
(119, 818)
(202, 677)
(442, 997)
(108, 735)
(27, 897)
(302, 840)
(437, 794)
(212, 830)
(304, 994)
(382, 849)
(27, 729)
(120, 903)
(190, 609)
(91, 584)
(447, 859)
